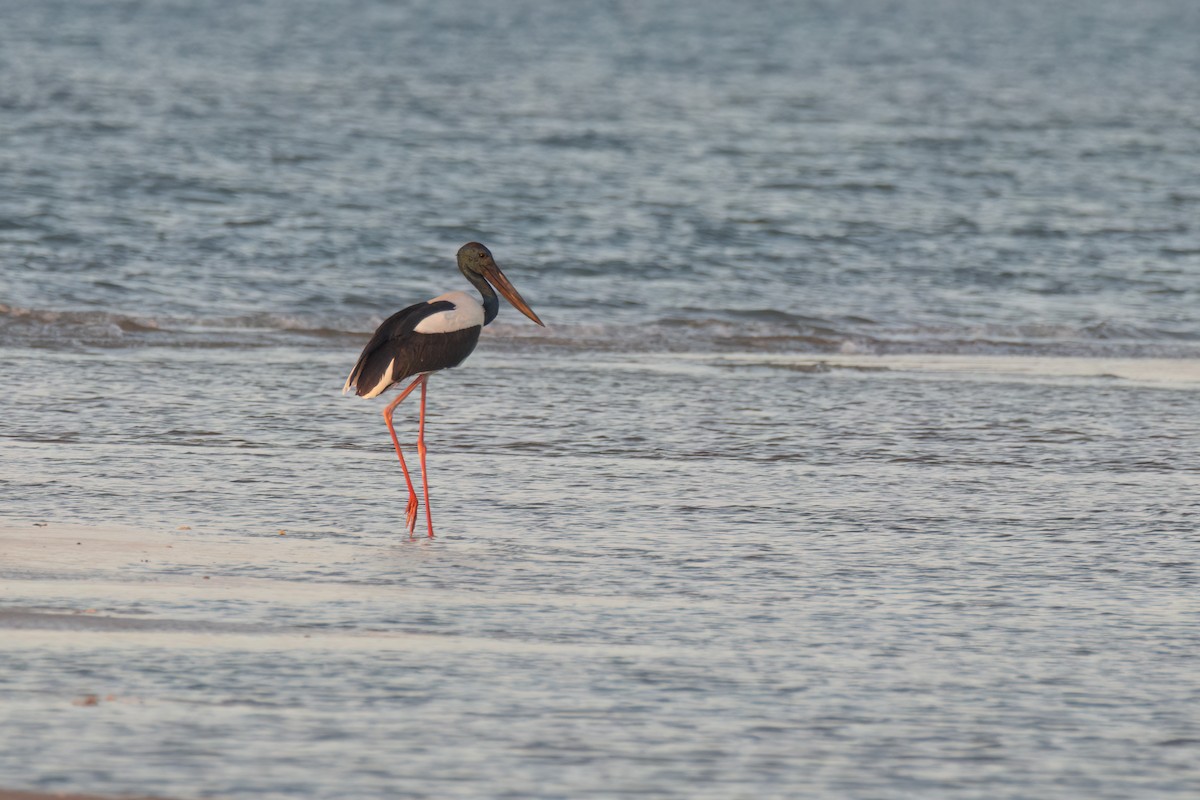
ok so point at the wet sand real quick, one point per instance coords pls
(88, 586)
(118, 552)
(10, 794)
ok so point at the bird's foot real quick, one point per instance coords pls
(410, 515)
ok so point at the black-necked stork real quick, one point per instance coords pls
(426, 337)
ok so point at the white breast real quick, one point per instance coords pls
(467, 313)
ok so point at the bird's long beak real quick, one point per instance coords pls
(505, 287)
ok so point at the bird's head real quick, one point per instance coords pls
(475, 260)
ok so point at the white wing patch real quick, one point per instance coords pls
(467, 313)
(384, 382)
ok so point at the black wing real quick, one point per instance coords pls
(389, 343)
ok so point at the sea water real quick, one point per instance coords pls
(858, 457)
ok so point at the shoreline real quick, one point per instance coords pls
(21, 794)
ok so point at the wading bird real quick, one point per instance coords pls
(426, 337)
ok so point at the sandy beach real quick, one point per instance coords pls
(87, 562)
(10, 794)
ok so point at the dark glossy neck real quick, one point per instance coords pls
(491, 304)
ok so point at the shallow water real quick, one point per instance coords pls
(857, 458)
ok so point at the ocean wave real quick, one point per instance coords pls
(778, 332)
(50, 327)
(765, 331)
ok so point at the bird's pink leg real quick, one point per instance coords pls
(421, 452)
(410, 513)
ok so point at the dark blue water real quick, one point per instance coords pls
(858, 457)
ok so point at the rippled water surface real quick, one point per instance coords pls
(858, 457)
